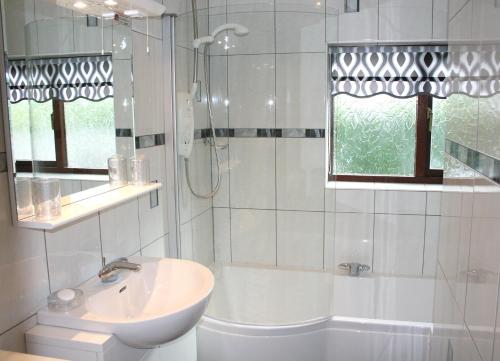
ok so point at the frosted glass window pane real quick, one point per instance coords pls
(440, 113)
(19, 115)
(374, 136)
(90, 133)
(41, 130)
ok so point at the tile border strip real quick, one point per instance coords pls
(260, 133)
(480, 162)
(3, 162)
(148, 141)
(123, 132)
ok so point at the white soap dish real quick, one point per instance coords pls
(65, 299)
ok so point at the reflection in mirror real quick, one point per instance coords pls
(69, 79)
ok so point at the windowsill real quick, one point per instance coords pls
(67, 176)
(417, 187)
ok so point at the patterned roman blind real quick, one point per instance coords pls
(67, 79)
(475, 70)
(400, 71)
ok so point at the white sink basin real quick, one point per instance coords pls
(143, 309)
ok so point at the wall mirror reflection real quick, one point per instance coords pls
(70, 98)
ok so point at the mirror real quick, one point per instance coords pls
(70, 97)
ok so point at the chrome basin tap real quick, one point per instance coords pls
(107, 273)
(354, 268)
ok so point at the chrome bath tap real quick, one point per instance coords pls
(354, 268)
(107, 273)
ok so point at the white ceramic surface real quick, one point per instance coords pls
(253, 236)
(253, 173)
(300, 90)
(159, 303)
(266, 296)
(251, 106)
(300, 174)
(400, 202)
(300, 239)
(354, 238)
(298, 32)
(398, 244)
(354, 200)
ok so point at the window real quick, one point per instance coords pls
(388, 114)
(62, 114)
(63, 136)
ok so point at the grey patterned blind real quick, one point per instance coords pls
(67, 79)
(400, 71)
(475, 70)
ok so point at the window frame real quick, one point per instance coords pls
(60, 165)
(423, 132)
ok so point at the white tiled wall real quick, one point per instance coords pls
(272, 207)
(373, 227)
(468, 275)
(392, 21)
(196, 214)
(34, 263)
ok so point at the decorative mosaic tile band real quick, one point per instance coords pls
(123, 132)
(261, 133)
(3, 162)
(480, 162)
(148, 141)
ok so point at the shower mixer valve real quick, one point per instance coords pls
(354, 268)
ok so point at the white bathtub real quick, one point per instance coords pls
(259, 314)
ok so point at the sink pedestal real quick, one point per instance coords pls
(75, 345)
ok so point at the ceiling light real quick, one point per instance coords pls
(109, 15)
(110, 2)
(132, 13)
(80, 5)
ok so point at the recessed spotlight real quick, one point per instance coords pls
(110, 15)
(132, 13)
(110, 2)
(80, 5)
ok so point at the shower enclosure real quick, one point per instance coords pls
(270, 131)
(268, 233)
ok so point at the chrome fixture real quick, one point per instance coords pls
(354, 268)
(107, 273)
(239, 30)
(204, 42)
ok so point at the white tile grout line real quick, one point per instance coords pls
(47, 259)
(275, 145)
(373, 231)
(18, 324)
(425, 232)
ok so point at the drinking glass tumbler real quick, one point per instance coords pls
(46, 197)
(117, 167)
(139, 170)
(23, 197)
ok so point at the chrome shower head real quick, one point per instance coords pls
(238, 30)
